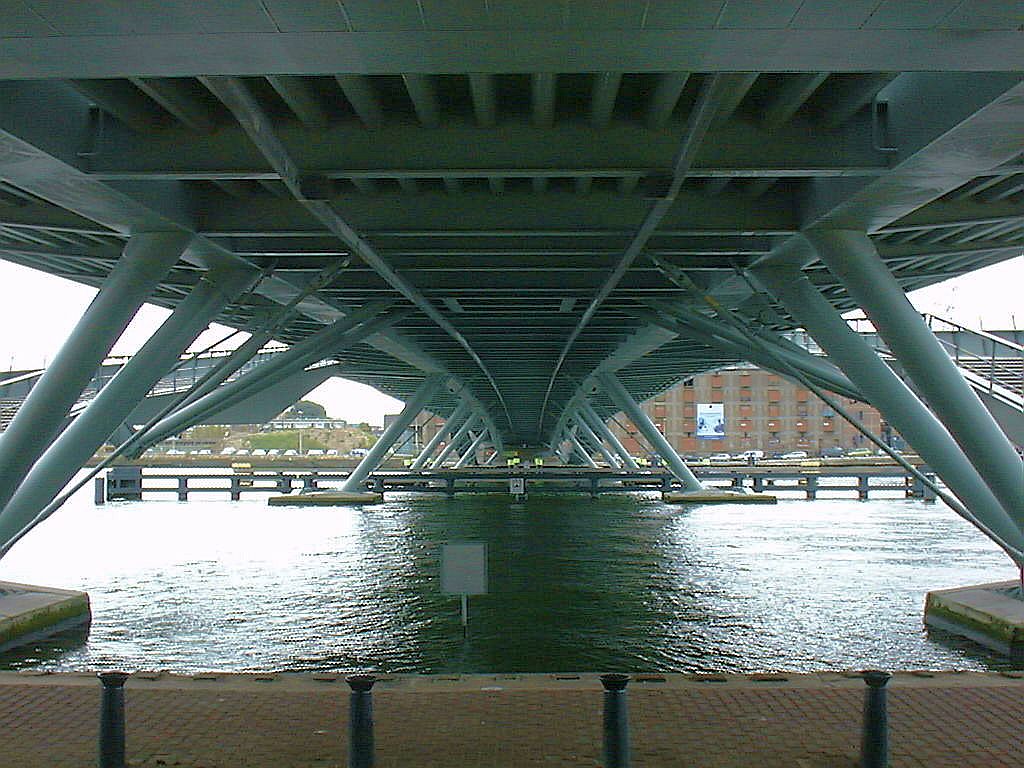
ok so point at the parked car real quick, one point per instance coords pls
(332, 451)
(315, 452)
(720, 457)
(259, 452)
(242, 452)
(795, 455)
(274, 452)
(227, 451)
(859, 453)
(291, 452)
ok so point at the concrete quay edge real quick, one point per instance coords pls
(988, 614)
(415, 683)
(29, 612)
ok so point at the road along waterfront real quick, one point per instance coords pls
(576, 583)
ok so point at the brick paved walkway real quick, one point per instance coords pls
(810, 721)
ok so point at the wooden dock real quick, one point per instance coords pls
(136, 483)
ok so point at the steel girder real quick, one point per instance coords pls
(500, 187)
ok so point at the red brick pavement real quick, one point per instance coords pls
(805, 722)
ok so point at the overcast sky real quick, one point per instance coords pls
(39, 310)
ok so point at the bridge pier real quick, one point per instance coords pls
(451, 423)
(86, 433)
(589, 434)
(353, 486)
(895, 400)
(897, 403)
(853, 258)
(345, 332)
(470, 453)
(597, 423)
(582, 452)
(613, 387)
(147, 257)
(457, 438)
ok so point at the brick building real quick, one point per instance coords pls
(762, 411)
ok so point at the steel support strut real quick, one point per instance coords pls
(632, 409)
(468, 424)
(852, 257)
(345, 332)
(391, 435)
(470, 453)
(454, 419)
(588, 433)
(146, 259)
(887, 392)
(597, 424)
(583, 452)
(81, 439)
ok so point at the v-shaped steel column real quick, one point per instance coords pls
(647, 428)
(146, 259)
(372, 460)
(87, 432)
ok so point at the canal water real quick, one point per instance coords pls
(617, 583)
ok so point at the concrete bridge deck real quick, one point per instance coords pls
(292, 721)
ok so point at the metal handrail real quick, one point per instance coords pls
(929, 318)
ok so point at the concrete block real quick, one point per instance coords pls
(28, 613)
(712, 496)
(990, 614)
(325, 499)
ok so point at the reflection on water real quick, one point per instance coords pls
(576, 584)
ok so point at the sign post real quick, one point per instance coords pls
(464, 573)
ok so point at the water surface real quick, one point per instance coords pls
(622, 582)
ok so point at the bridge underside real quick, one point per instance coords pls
(526, 211)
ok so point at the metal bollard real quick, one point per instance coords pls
(616, 721)
(111, 746)
(874, 752)
(360, 721)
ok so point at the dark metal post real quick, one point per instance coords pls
(360, 721)
(111, 746)
(99, 490)
(183, 488)
(616, 721)
(874, 751)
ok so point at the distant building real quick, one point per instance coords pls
(762, 411)
(306, 424)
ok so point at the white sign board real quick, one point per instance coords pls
(464, 569)
(517, 485)
(710, 420)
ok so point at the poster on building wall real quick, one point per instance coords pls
(710, 420)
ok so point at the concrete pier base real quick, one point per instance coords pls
(28, 613)
(989, 614)
(713, 496)
(326, 499)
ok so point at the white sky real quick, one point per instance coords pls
(38, 311)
